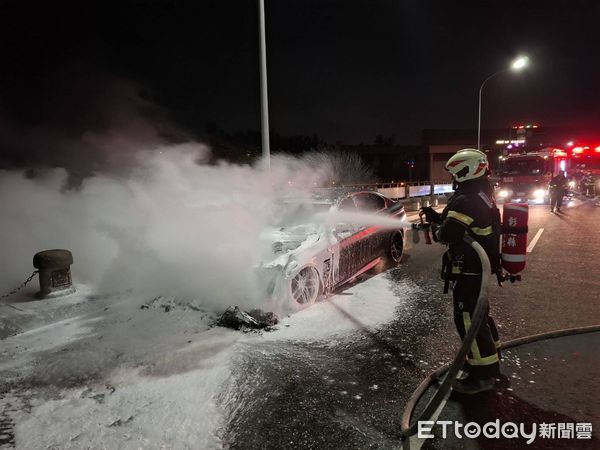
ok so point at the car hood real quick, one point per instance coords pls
(281, 243)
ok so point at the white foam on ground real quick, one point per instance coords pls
(20, 349)
(149, 408)
(163, 376)
(165, 370)
(366, 305)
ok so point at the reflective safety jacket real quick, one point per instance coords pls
(470, 210)
(558, 184)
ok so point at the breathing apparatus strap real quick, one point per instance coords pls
(446, 271)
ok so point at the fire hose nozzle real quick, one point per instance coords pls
(425, 228)
(415, 233)
(416, 228)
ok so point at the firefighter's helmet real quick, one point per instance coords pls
(467, 164)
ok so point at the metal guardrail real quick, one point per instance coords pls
(405, 190)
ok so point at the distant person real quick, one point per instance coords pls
(577, 177)
(588, 185)
(558, 187)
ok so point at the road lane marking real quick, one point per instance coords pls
(534, 240)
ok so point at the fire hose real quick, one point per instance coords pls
(451, 369)
(459, 359)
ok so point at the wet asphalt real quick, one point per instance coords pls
(554, 381)
(350, 392)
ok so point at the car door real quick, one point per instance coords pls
(348, 245)
(372, 239)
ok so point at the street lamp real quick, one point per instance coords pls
(520, 63)
(517, 65)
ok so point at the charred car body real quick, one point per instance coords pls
(314, 256)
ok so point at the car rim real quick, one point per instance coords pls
(396, 247)
(305, 286)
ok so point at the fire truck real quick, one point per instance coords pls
(586, 158)
(585, 164)
(525, 176)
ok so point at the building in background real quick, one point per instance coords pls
(443, 143)
(392, 162)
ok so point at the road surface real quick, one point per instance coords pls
(351, 393)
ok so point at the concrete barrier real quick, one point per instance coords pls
(442, 188)
(393, 192)
(419, 190)
(409, 190)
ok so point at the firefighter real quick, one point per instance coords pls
(558, 187)
(471, 210)
(588, 186)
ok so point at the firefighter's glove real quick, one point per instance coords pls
(431, 215)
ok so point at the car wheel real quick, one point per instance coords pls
(305, 287)
(396, 247)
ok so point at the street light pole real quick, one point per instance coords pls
(479, 116)
(518, 64)
(264, 102)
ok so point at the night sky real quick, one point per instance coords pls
(347, 70)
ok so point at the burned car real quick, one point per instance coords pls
(327, 242)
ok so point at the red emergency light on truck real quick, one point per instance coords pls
(525, 176)
(585, 167)
(586, 158)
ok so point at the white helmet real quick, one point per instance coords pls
(467, 164)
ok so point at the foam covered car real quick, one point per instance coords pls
(328, 241)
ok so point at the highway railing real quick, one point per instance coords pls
(413, 194)
(405, 189)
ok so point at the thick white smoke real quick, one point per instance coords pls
(174, 226)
